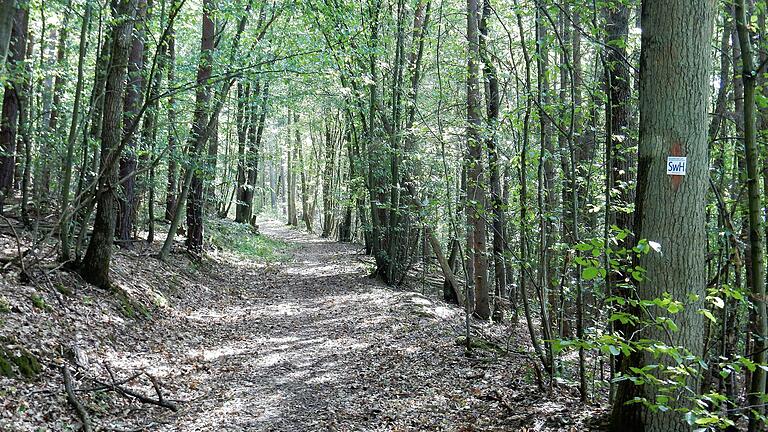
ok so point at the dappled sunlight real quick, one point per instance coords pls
(309, 343)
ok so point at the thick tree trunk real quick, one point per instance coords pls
(95, 266)
(670, 210)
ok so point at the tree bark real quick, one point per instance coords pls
(492, 102)
(242, 115)
(476, 200)
(293, 219)
(330, 156)
(95, 266)
(306, 215)
(670, 210)
(173, 168)
(7, 12)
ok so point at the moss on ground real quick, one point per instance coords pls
(17, 361)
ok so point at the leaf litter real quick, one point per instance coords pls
(305, 344)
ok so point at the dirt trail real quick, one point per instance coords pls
(313, 344)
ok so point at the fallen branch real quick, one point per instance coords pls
(108, 386)
(125, 391)
(72, 398)
(140, 397)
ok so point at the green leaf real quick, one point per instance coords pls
(708, 314)
(590, 273)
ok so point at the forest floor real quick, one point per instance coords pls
(301, 341)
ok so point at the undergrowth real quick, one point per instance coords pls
(244, 241)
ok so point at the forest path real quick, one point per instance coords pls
(313, 344)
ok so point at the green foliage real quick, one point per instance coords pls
(242, 240)
(63, 289)
(16, 360)
(669, 369)
(5, 306)
(129, 307)
(39, 302)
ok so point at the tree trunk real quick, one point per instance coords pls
(328, 181)
(492, 101)
(64, 229)
(95, 266)
(133, 100)
(253, 160)
(173, 168)
(149, 127)
(306, 215)
(7, 13)
(12, 104)
(546, 195)
(757, 280)
(476, 205)
(198, 133)
(242, 116)
(670, 210)
(25, 106)
(291, 177)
